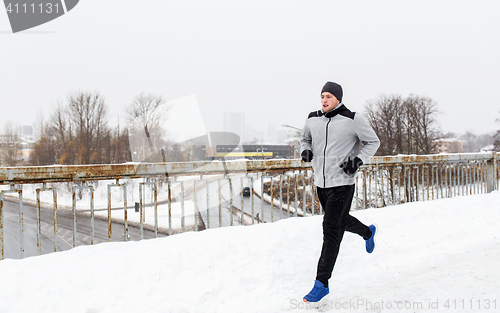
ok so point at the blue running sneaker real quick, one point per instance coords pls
(370, 242)
(317, 293)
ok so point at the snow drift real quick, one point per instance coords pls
(440, 255)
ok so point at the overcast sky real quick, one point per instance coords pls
(267, 59)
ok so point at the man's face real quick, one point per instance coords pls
(328, 101)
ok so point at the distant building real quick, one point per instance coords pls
(24, 149)
(250, 152)
(488, 148)
(449, 145)
(19, 147)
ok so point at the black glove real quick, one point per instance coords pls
(351, 166)
(307, 155)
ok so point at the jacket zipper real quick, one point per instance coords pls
(324, 153)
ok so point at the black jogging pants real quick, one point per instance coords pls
(336, 203)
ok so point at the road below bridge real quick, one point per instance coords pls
(12, 235)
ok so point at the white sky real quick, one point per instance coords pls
(267, 59)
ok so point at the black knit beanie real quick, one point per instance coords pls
(333, 88)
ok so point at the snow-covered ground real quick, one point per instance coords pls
(439, 256)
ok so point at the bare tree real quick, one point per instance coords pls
(404, 126)
(118, 150)
(59, 121)
(496, 144)
(78, 133)
(9, 145)
(422, 126)
(174, 152)
(474, 143)
(386, 116)
(45, 149)
(87, 113)
(80, 129)
(469, 139)
(146, 116)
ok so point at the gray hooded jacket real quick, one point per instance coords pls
(333, 137)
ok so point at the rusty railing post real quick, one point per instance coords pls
(491, 173)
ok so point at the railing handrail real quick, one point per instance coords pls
(58, 173)
(432, 158)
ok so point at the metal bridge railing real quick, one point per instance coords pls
(161, 199)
